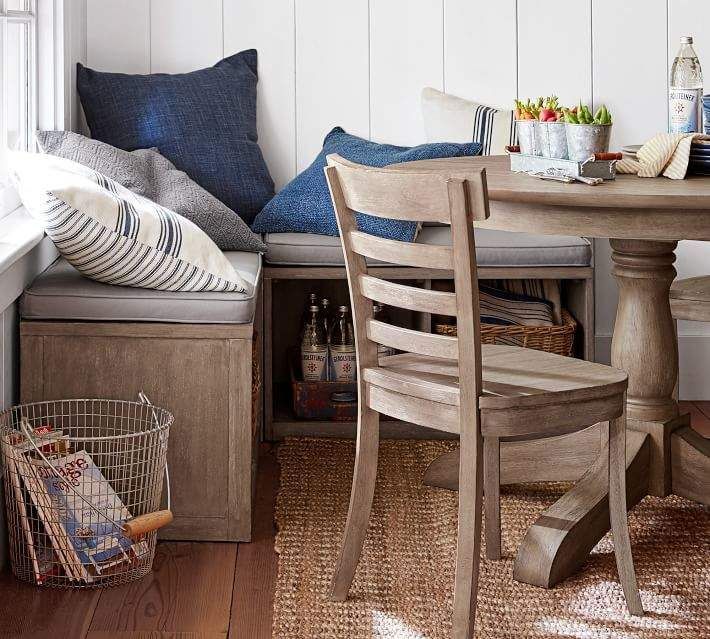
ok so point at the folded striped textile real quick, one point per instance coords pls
(665, 154)
(511, 309)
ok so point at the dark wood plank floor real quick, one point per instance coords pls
(196, 591)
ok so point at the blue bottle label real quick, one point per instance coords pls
(684, 110)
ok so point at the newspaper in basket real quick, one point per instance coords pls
(83, 484)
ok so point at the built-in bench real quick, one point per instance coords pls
(192, 353)
(298, 263)
(195, 353)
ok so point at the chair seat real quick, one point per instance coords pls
(690, 299)
(493, 248)
(514, 380)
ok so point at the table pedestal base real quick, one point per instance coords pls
(690, 463)
(559, 541)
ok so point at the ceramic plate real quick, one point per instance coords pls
(631, 149)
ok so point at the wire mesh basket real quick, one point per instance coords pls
(83, 484)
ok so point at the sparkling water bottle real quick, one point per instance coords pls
(685, 100)
(343, 364)
(314, 347)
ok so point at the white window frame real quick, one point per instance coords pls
(9, 199)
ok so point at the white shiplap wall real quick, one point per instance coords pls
(361, 64)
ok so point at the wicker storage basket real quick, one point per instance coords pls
(553, 339)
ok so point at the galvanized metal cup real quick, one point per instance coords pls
(527, 136)
(552, 140)
(584, 140)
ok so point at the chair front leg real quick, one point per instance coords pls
(361, 495)
(491, 500)
(618, 514)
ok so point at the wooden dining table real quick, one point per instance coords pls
(644, 218)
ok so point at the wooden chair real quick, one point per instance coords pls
(507, 393)
(690, 299)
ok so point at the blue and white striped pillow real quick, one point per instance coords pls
(114, 236)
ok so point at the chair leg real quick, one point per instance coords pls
(618, 514)
(468, 551)
(363, 489)
(491, 500)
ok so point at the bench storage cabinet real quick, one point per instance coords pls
(192, 353)
(298, 263)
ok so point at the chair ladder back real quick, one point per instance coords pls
(353, 185)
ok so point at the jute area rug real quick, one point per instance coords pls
(403, 585)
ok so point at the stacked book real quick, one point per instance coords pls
(70, 516)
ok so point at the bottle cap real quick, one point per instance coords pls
(343, 309)
(686, 39)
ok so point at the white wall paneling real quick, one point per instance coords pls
(406, 54)
(118, 35)
(75, 38)
(690, 17)
(480, 53)
(555, 49)
(634, 87)
(269, 27)
(185, 35)
(332, 72)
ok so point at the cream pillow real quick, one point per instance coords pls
(115, 236)
(451, 119)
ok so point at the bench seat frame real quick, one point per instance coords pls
(202, 373)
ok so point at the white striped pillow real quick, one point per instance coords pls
(118, 237)
(451, 119)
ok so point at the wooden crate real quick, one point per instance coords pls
(202, 373)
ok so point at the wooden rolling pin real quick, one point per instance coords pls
(143, 524)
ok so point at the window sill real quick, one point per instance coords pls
(25, 251)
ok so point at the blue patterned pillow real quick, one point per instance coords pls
(204, 122)
(304, 206)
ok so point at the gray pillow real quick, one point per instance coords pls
(148, 173)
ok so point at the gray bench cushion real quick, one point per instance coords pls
(61, 292)
(493, 248)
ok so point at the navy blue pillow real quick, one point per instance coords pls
(304, 206)
(204, 122)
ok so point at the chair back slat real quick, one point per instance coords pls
(402, 253)
(389, 194)
(408, 297)
(413, 341)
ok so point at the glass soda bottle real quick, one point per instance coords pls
(685, 99)
(343, 364)
(314, 347)
(327, 318)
